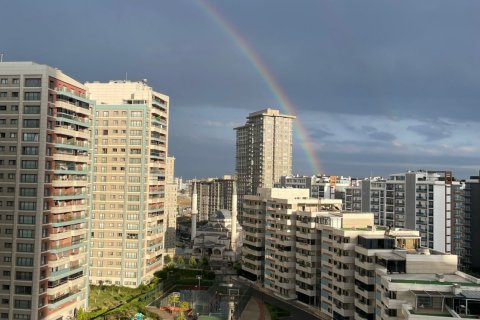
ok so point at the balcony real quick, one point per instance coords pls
(72, 144)
(71, 94)
(69, 208)
(56, 301)
(61, 221)
(84, 122)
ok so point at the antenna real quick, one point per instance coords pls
(126, 76)
(1, 56)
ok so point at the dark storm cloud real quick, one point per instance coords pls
(402, 60)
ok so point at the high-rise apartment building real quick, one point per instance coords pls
(423, 201)
(367, 195)
(214, 194)
(263, 151)
(44, 192)
(469, 224)
(128, 218)
(171, 209)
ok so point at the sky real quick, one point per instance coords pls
(379, 87)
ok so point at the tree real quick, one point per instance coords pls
(167, 259)
(180, 261)
(204, 263)
(184, 305)
(174, 299)
(192, 262)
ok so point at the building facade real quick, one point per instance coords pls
(171, 208)
(45, 121)
(469, 223)
(263, 151)
(128, 209)
(213, 194)
(367, 195)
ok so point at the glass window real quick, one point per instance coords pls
(33, 82)
(32, 96)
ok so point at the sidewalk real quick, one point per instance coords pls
(255, 310)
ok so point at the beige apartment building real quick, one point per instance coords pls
(45, 120)
(263, 151)
(170, 207)
(128, 208)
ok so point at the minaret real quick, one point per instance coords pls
(194, 211)
(233, 240)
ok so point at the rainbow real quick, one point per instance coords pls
(269, 79)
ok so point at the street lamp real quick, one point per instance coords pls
(199, 277)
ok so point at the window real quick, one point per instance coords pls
(32, 96)
(16, 81)
(26, 219)
(15, 94)
(26, 233)
(22, 261)
(7, 259)
(30, 151)
(23, 304)
(31, 109)
(3, 81)
(31, 123)
(23, 275)
(33, 82)
(136, 113)
(25, 247)
(28, 178)
(3, 94)
(136, 123)
(28, 192)
(29, 206)
(105, 113)
(29, 164)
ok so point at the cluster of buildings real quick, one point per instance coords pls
(86, 188)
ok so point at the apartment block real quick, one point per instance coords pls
(128, 209)
(170, 207)
(320, 186)
(367, 195)
(423, 200)
(260, 220)
(45, 120)
(263, 151)
(213, 194)
(423, 285)
(468, 224)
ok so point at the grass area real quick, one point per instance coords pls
(276, 312)
(114, 302)
(106, 297)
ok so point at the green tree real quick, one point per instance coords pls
(174, 299)
(167, 259)
(205, 263)
(184, 304)
(192, 262)
(180, 261)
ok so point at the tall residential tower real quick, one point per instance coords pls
(44, 168)
(263, 151)
(128, 220)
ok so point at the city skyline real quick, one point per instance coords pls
(378, 88)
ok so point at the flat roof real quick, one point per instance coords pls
(430, 278)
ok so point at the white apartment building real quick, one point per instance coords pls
(45, 122)
(367, 195)
(128, 209)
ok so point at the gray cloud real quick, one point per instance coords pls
(383, 136)
(431, 131)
